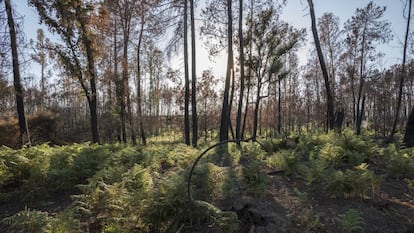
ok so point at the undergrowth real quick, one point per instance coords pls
(336, 162)
(122, 188)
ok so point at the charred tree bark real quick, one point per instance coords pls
(139, 100)
(409, 130)
(186, 81)
(241, 46)
(329, 98)
(193, 78)
(225, 111)
(279, 107)
(92, 80)
(16, 75)
(400, 91)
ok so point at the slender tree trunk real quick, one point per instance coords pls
(118, 85)
(279, 107)
(231, 102)
(360, 116)
(125, 84)
(249, 75)
(24, 134)
(360, 105)
(225, 111)
(409, 130)
(42, 86)
(246, 109)
(329, 99)
(241, 46)
(139, 100)
(187, 81)
(122, 111)
(193, 77)
(400, 92)
(92, 79)
(256, 110)
(205, 120)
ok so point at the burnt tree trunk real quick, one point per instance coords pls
(92, 79)
(400, 91)
(139, 100)
(329, 98)
(241, 46)
(193, 78)
(186, 81)
(409, 130)
(225, 111)
(16, 75)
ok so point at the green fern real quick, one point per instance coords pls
(27, 221)
(351, 221)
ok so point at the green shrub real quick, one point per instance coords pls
(253, 151)
(315, 170)
(168, 203)
(138, 181)
(274, 145)
(332, 153)
(351, 221)
(356, 148)
(222, 221)
(400, 163)
(65, 222)
(100, 204)
(14, 166)
(254, 178)
(90, 159)
(210, 182)
(351, 183)
(182, 155)
(410, 185)
(283, 160)
(27, 221)
(128, 156)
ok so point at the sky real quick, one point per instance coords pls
(295, 13)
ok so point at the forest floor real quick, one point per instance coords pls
(289, 203)
(288, 206)
(291, 206)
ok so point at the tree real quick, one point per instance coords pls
(40, 49)
(207, 100)
(272, 39)
(193, 77)
(402, 76)
(409, 130)
(242, 85)
(329, 98)
(125, 11)
(225, 110)
(71, 20)
(330, 39)
(155, 63)
(364, 30)
(151, 24)
(186, 77)
(24, 133)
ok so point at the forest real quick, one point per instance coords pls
(108, 125)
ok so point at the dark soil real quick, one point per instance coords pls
(291, 206)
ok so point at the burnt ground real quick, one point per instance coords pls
(291, 206)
